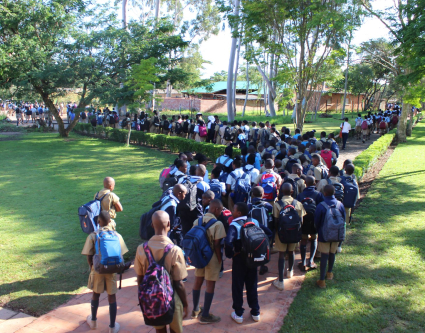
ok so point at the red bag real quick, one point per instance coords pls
(382, 125)
(364, 126)
(327, 157)
(394, 120)
(202, 131)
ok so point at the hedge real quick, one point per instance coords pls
(174, 143)
(366, 159)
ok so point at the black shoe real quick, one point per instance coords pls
(263, 270)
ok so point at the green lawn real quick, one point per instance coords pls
(43, 181)
(379, 283)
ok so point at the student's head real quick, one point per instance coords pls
(104, 218)
(192, 170)
(297, 131)
(216, 207)
(269, 164)
(301, 148)
(225, 123)
(359, 115)
(291, 151)
(267, 144)
(109, 183)
(240, 209)
(302, 159)
(334, 171)
(297, 169)
(346, 162)
(201, 170)
(161, 223)
(329, 190)
(287, 131)
(229, 151)
(251, 159)
(181, 165)
(215, 173)
(261, 124)
(251, 149)
(254, 123)
(311, 134)
(244, 150)
(240, 131)
(312, 149)
(331, 136)
(237, 162)
(217, 120)
(278, 164)
(201, 158)
(207, 197)
(346, 119)
(349, 169)
(260, 148)
(183, 156)
(189, 156)
(310, 181)
(305, 137)
(287, 189)
(315, 160)
(267, 156)
(257, 192)
(179, 191)
(327, 145)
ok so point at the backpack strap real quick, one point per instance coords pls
(329, 181)
(148, 253)
(167, 249)
(209, 224)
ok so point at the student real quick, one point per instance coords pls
(269, 169)
(110, 202)
(232, 179)
(241, 274)
(297, 134)
(174, 263)
(298, 184)
(327, 249)
(99, 282)
(321, 141)
(257, 163)
(207, 197)
(359, 121)
(263, 134)
(349, 175)
(308, 222)
(219, 188)
(211, 272)
(346, 128)
(250, 169)
(203, 160)
(225, 161)
(225, 134)
(333, 178)
(328, 155)
(254, 134)
(287, 199)
(317, 169)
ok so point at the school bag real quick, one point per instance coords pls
(327, 157)
(358, 122)
(293, 182)
(186, 127)
(190, 201)
(116, 118)
(324, 171)
(339, 190)
(156, 121)
(202, 131)
(156, 294)
(333, 229)
(255, 135)
(83, 115)
(196, 245)
(289, 164)
(259, 212)
(309, 204)
(223, 177)
(171, 181)
(166, 125)
(226, 218)
(306, 168)
(394, 120)
(192, 128)
(178, 128)
(382, 125)
(215, 187)
(163, 175)
(146, 229)
(227, 134)
(108, 258)
(364, 125)
(268, 183)
(351, 191)
(255, 244)
(223, 164)
(289, 224)
(264, 137)
(99, 120)
(335, 148)
(88, 214)
(242, 188)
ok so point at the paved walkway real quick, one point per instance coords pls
(353, 148)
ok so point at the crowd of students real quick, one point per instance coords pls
(268, 184)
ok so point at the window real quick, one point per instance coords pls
(329, 101)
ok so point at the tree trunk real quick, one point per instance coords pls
(236, 76)
(270, 95)
(318, 102)
(247, 89)
(230, 71)
(402, 123)
(128, 136)
(157, 4)
(124, 14)
(411, 122)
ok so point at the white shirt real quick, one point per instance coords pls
(359, 121)
(232, 181)
(346, 127)
(253, 172)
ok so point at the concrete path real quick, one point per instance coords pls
(11, 321)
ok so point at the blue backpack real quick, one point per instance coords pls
(223, 177)
(335, 148)
(108, 258)
(216, 188)
(242, 188)
(196, 245)
(89, 213)
(99, 120)
(351, 191)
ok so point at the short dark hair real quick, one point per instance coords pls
(242, 207)
(216, 172)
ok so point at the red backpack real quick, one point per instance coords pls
(268, 183)
(382, 125)
(395, 120)
(365, 126)
(327, 157)
(202, 131)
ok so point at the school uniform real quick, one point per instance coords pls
(108, 203)
(275, 174)
(263, 169)
(217, 130)
(211, 272)
(319, 218)
(257, 163)
(310, 192)
(321, 185)
(347, 209)
(300, 182)
(98, 283)
(241, 274)
(238, 173)
(316, 172)
(252, 172)
(252, 134)
(226, 161)
(175, 265)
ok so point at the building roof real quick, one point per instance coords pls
(220, 87)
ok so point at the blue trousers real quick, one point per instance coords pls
(248, 277)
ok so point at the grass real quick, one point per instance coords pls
(379, 278)
(43, 180)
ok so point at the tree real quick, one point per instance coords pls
(219, 76)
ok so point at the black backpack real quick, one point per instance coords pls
(293, 182)
(339, 190)
(227, 134)
(289, 164)
(146, 230)
(259, 213)
(83, 115)
(255, 135)
(190, 202)
(309, 203)
(156, 121)
(186, 127)
(192, 128)
(166, 125)
(255, 244)
(289, 224)
(178, 128)
(264, 137)
(170, 182)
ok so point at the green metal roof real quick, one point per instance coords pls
(219, 86)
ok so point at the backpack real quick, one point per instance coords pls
(99, 120)
(226, 218)
(255, 135)
(190, 201)
(108, 258)
(192, 128)
(178, 128)
(309, 204)
(165, 125)
(83, 115)
(146, 230)
(242, 188)
(364, 125)
(358, 122)
(264, 137)
(327, 157)
(156, 294)
(116, 118)
(289, 164)
(223, 177)
(289, 224)
(227, 134)
(196, 245)
(88, 214)
(306, 168)
(339, 190)
(163, 175)
(223, 165)
(170, 182)
(394, 120)
(186, 127)
(333, 229)
(216, 188)
(382, 125)
(335, 148)
(268, 183)
(325, 171)
(156, 121)
(293, 182)
(255, 244)
(351, 191)
(202, 131)
(259, 212)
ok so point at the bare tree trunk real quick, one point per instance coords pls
(270, 95)
(318, 102)
(247, 89)
(402, 123)
(157, 5)
(124, 14)
(236, 76)
(411, 122)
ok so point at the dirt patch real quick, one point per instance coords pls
(9, 136)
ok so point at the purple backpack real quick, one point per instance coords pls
(156, 294)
